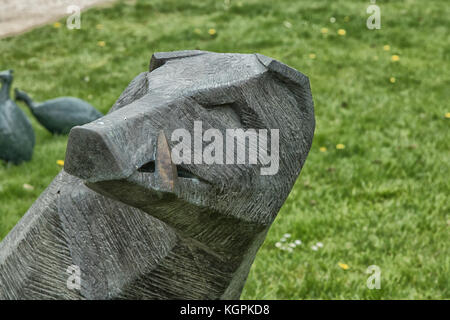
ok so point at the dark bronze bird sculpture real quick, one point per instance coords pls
(59, 115)
(16, 134)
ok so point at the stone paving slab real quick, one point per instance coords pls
(18, 16)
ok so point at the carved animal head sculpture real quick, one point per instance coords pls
(117, 155)
(126, 156)
(150, 226)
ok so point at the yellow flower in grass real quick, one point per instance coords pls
(323, 149)
(312, 55)
(60, 163)
(447, 115)
(57, 25)
(27, 186)
(392, 80)
(101, 43)
(340, 146)
(342, 32)
(212, 31)
(324, 30)
(395, 58)
(343, 266)
(386, 47)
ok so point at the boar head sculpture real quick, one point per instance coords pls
(132, 224)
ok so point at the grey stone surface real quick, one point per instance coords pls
(61, 114)
(18, 16)
(140, 227)
(16, 134)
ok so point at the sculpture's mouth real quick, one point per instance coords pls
(158, 179)
(182, 172)
(162, 171)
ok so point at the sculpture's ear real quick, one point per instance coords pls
(298, 85)
(284, 72)
(159, 58)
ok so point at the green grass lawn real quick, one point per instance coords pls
(382, 200)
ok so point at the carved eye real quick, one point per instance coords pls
(227, 114)
(236, 115)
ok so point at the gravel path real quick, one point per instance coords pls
(18, 16)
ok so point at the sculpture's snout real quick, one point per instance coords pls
(111, 163)
(112, 149)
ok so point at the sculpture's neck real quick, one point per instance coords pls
(4, 92)
(22, 96)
